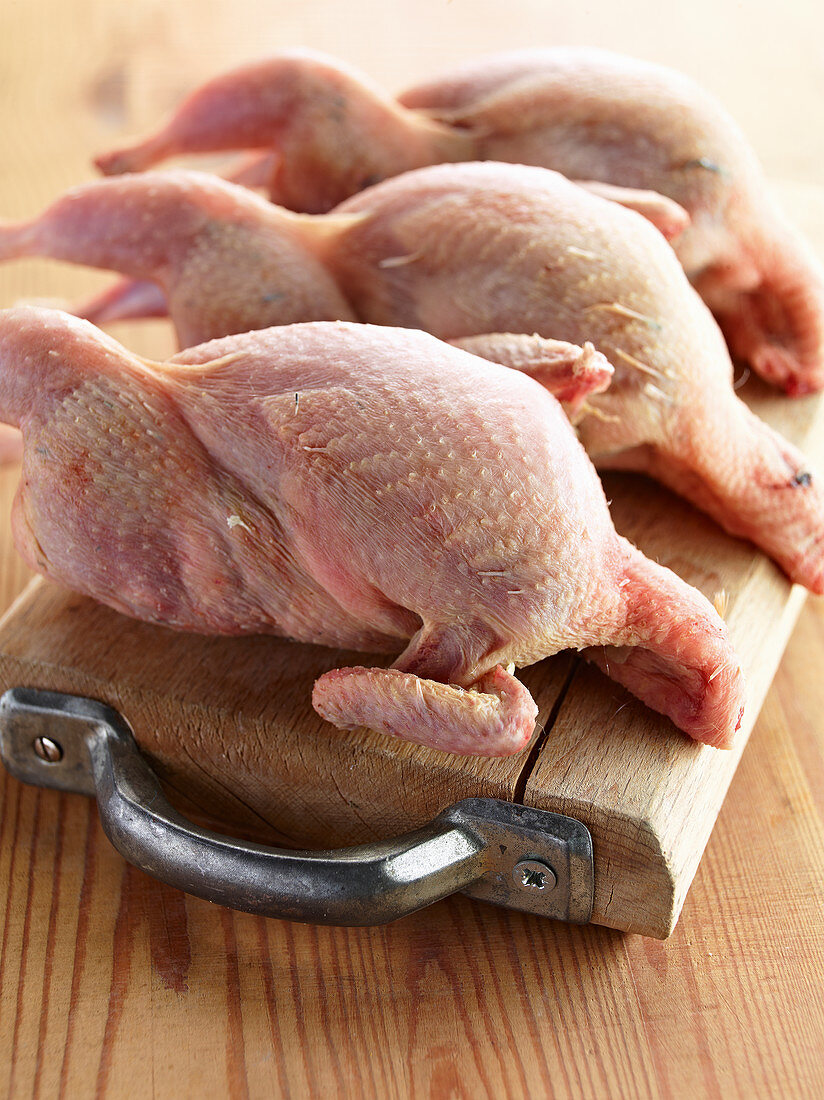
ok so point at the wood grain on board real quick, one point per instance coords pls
(229, 725)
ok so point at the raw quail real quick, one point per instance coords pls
(359, 487)
(226, 261)
(327, 132)
(464, 250)
(481, 251)
(592, 114)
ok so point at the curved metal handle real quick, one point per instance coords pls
(513, 855)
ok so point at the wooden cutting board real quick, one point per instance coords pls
(229, 728)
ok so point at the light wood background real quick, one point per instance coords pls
(112, 985)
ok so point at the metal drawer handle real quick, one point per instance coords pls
(512, 855)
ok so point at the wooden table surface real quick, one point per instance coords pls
(113, 985)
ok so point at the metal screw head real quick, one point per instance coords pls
(533, 874)
(48, 750)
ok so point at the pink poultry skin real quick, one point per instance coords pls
(325, 132)
(472, 252)
(356, 487)
(458, 250)
(10, 445)
(224, 261)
